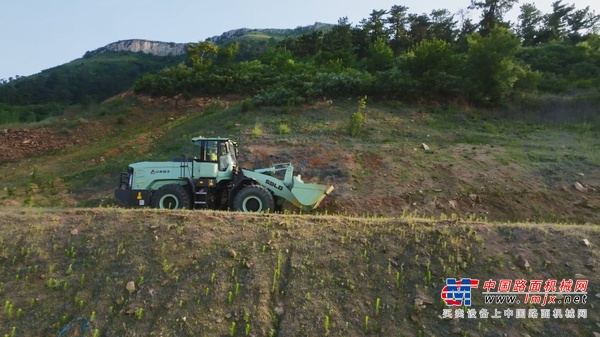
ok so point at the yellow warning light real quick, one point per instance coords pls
(210, 183)
(139, 196)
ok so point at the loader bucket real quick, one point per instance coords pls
(309, 195)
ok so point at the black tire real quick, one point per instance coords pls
(171, 196)
(253, 198)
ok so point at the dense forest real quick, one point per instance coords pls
(394, 54)
(391, 54)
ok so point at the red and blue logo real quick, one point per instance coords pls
(457, 293)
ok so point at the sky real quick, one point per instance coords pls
(41, 34)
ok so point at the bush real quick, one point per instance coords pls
(348, 83)
(284, 129)
(553, 83)
(358, 118)
(247, 105)
(434, 67)
(215, 106)
(278, 96)
(257, 130)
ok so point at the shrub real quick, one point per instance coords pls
(247, 105)
(358, 118)
(284, 129)
(279, 96)
(214, 106)
(257, 130)
(350, 82)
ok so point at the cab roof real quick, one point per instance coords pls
(198, 139)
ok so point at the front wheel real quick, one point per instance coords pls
(253, 198)
(171, 196)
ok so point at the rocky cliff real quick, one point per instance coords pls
(175, 49)
(144, 46)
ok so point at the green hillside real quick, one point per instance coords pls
(390, 55)
(82, 81)
(99, 75)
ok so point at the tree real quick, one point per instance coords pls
(309, 44)
(337, 43)
(249, 77)
(397, 22)
(375, 25)
(201, 54)
(168, 82)
(492, 13)
(556, 22)
(491, 66)
(443, 26)
(582, 19)
(380, 57)
(419, 28)
(563, 64)
(226, 55)
(361, 43)
(278, 58)
(434, 67)
(467, 28)
(529, 26)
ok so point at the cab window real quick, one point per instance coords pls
(212, 151)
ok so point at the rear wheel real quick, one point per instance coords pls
(253, 198)
(171, 196)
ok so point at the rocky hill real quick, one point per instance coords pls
(159, 48)
(274, 32)
(113, 68)
(156, 48)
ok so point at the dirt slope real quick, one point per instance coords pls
(218, 274)
(17, 144)
(499, 170)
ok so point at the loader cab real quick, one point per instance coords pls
(220, 151)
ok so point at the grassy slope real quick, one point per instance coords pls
(326, 266)
(197, 273)
(477, 167)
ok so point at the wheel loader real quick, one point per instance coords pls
(212, 179)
